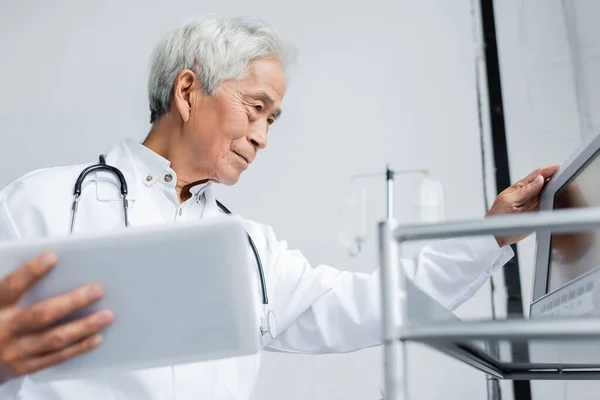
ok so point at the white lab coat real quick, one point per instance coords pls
(319, 309)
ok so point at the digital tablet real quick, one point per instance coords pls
(180, 293)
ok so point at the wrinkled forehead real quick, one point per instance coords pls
(267, 75)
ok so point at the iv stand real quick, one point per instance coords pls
(389, 177)
(395, 354)
(395, 350)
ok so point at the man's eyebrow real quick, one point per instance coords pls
(264, 97)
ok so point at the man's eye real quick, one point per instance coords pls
(258, 107)
(270, 121)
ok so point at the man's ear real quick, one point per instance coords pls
(183, 88)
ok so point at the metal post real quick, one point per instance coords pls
(493, 383)
(389, 177)
(393, 298)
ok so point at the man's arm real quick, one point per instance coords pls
(324, 310)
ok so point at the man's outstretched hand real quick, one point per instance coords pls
(522, 196)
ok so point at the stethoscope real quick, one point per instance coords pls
(267, 320)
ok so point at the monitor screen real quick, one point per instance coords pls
(574, 254)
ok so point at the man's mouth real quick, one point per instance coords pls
(243, 158)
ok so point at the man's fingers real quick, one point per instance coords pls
(531, 191)
(60, 337)
(546, 172)
(52, 310)
(34, 364)
(21, 279)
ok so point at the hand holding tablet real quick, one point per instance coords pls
(30, 338)
(180, 293)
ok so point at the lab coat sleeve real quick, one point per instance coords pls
(8, 227)
(325, 310)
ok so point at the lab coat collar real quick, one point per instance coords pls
(200, 188)
(142, 209)
(151, 167)
(211, 209)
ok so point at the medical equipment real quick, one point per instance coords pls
(561, 338)
(268, 324)
(567, 267)
(429, 203)
(559, 348)
(101, 166)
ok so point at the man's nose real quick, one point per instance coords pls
(258, 136)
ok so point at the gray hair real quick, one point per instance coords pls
(216, 48)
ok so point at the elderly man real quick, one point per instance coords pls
(215, 88)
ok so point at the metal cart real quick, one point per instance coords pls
(564, 348)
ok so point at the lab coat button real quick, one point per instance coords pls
(168, 177)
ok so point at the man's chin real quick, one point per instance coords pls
(230, 178)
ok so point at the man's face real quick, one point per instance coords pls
(226, 130)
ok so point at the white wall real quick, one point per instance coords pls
(378, 82)
(581, 20)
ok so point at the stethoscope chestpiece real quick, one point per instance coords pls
(268, 323)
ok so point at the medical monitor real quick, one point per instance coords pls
(567, 266)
